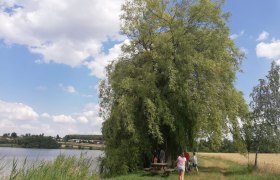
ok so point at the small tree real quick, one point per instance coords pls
(265, 106)
(14, 135)
(6, 135)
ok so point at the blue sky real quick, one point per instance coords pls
(52, 58)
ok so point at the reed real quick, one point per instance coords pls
(62, 168)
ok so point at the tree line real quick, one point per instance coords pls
(83, 137)
(41, 141)
(30, 141)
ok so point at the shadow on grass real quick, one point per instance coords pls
(155, 174)
(212, 169)
(232, 171)
(238, 171)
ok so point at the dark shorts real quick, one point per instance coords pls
(194, 165)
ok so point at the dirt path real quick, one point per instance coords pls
(210, 169)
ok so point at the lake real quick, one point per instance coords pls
(7, 155)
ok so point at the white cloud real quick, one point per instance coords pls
(269, 50)
(16, 111)
(244, 50)
(90, 114)
(22, 119)
(64, 32)
(278, 62)
(263, 36)
(32, 128)
(82, 119)
(45, 115)
(63, 119)
(97, 67)
(235, 36)
(69, 89)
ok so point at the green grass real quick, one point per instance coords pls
(9, 145)
(63, 168)
(209, 168)
(72, 168)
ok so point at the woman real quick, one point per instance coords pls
(181, 161)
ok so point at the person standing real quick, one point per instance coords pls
(187, 156)
(194, 162)
(162, 156)
(181, 161)
(155, 157)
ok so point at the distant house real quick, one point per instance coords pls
(75, 140)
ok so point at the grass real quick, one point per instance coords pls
(63, 168)
(267, 162)
(209, 168)
(72, 168)
(9, 145)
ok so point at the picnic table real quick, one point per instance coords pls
(160, 167)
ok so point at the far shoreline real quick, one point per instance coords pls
(63, 145)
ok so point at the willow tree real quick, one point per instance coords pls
(173, 84)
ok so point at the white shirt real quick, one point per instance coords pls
(194, 159)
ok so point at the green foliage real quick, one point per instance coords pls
(227, 146)
(4, 141)
(83, 137)
(173, 85)
(14, 135)
(6, 134)
(265, 105)
(37, 141)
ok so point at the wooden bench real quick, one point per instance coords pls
(168, 171)
(147, 169)
(155, 172)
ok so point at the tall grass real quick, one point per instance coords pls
(62, 168)
(267, 162)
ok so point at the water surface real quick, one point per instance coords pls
(8, 155)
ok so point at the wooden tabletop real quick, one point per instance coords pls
(159, 164)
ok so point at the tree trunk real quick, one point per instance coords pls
(248, 158)
(256, 158)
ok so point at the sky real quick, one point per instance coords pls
(53, 54)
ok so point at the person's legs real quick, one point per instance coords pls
(180, 173)
(195, 166)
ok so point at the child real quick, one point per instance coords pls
(194, 161)
(181, 161)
